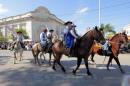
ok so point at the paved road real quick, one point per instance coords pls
(25, 73)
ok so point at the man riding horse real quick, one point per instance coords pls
(43, 39)
(69, 36)
(46, 39)
(19, 39)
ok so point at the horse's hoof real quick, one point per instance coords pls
(74, 72)
(54, 68)
(108, 68)
(43, 62)
(63, 70)
(122, 71)
(39, 64)
(89, 74)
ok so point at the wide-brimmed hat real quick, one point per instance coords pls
(51, 30)
(19, 31)
(73, 25)
(68, 22)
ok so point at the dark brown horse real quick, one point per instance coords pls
(115, 42)
(83, 49)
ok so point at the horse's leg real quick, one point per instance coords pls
(53, 67)
(42, 54)
(92, 57)
(38, 60)
(117, 61)
(62, 68)
(36, 57)
(50, 58)
(15, 58)
(58, 56)
(104, 59)
(86, 64)
(109, 61)
(79, 60)
(21, 55)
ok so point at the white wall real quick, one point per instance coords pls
(29, 28)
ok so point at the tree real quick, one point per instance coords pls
(1, 36)
(23, 31)
(108, 28)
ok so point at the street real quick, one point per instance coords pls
(26, 73)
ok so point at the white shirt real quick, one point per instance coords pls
(105, 46)
(20, 37)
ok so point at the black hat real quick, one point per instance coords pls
(51, 30)
(73, 25)
(68, 22)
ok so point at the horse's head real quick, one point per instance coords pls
(97, 34)
(17, 45)
(123, 37)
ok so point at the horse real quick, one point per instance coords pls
(36, 50)
(115, 43)
(17, 49)
(81, 49)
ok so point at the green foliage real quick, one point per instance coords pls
(108, 28)
(23, 31)
(1, 36)
(129, 46)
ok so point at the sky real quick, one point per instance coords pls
(84, 13)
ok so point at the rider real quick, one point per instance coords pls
(50, 37)
(43, 39)
(106, 47)
(70, 35)
(20, 38)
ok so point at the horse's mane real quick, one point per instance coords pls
(114, 36)
(86, 33)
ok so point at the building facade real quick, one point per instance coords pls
(127, 29)
(33, 22)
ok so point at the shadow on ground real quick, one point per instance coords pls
(33, 75)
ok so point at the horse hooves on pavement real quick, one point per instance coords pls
(122, 71)
(74, 73)
(89, 74)
(54, 68)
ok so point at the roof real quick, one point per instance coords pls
(40, 9)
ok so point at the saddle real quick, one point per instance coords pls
(106, 52)
(46, 48)
(73, 52)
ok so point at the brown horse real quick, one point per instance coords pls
(36, 50)
(82, 51)
(115, 42)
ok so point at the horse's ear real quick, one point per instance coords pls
(96, 28)
(124, 32)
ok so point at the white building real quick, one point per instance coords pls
(33, 22)
(127, 29)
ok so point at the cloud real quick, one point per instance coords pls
(82, 10)
(79, 14)
(3, 9)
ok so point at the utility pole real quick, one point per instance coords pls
(99, 15)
